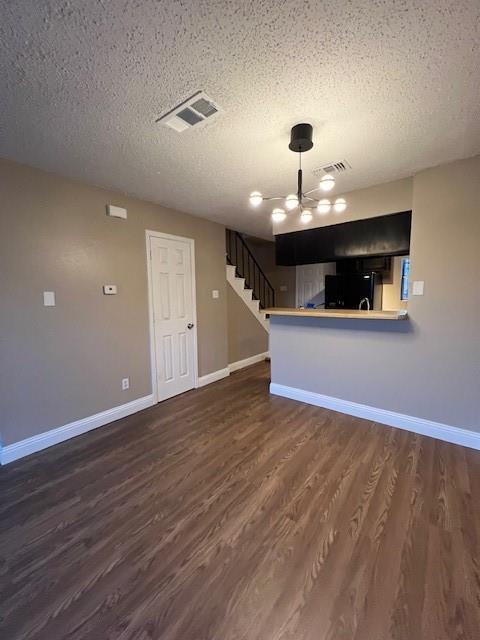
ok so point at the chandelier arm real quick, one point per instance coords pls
(311, 191)
(310, 198)
(274, 197)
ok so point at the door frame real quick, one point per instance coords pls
(149, 234)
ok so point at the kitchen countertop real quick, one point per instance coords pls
(400, 314)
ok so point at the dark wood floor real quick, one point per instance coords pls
(229, 514)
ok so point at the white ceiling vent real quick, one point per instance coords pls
(191, 113)
(332, 167)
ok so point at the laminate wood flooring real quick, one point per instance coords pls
(230, 514)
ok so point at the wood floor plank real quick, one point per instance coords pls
(230, 514)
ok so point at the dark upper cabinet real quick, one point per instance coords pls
(381, 236)
(284, 250)
(379, 264)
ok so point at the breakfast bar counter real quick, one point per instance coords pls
(400, 314)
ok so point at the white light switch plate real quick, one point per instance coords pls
(49, 298)
(125, 384)
(283, 287)
(109, 289)
(215, 294)
(417, 287)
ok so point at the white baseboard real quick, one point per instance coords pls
(213, 377)
(23, 448)
(240, 364)
(445, 432)
(224, 373)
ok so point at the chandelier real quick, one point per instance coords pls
(303, 201)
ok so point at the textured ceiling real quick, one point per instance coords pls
(391, 86)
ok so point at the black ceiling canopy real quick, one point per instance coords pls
(301, 138)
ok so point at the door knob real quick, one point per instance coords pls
(190, 325)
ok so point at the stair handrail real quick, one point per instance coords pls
(264, 284)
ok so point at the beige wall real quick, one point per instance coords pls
(392, 290)
(429, 365)
(64, 363)
(390, 197)
(246, 336)
(280, 277)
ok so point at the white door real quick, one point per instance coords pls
(173, 315)
(306, 284)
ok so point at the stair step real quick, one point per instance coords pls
(247, 294)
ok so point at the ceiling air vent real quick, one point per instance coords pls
(191, 113)
(332, 167)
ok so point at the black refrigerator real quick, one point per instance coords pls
(346, 291)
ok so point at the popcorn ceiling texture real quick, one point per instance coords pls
(392, 86)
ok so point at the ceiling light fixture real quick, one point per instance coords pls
(255, 198)
(291, 201)
(327, 182)
(324, 206)
(306, 216)
(278, 215)
(301, 141)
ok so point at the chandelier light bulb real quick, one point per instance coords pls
(306, 216)
(340, 205)
(291, 201)
(327, 182)
(324, 206)
(255, 198)
(278, 215)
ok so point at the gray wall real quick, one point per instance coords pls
(246, 336)
(64, 363)
(429, 366)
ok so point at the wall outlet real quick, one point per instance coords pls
(125, 384)
(215, 294)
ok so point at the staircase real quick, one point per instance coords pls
(246, 277)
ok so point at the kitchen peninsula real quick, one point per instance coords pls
(360, 314)
(337, 358)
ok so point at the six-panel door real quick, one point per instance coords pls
(172, 292)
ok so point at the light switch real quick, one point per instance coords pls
(283, 287)
(417, 287)
(49, 298)
(215, 294)
(109, 289)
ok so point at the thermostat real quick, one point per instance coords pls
(109, 289)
